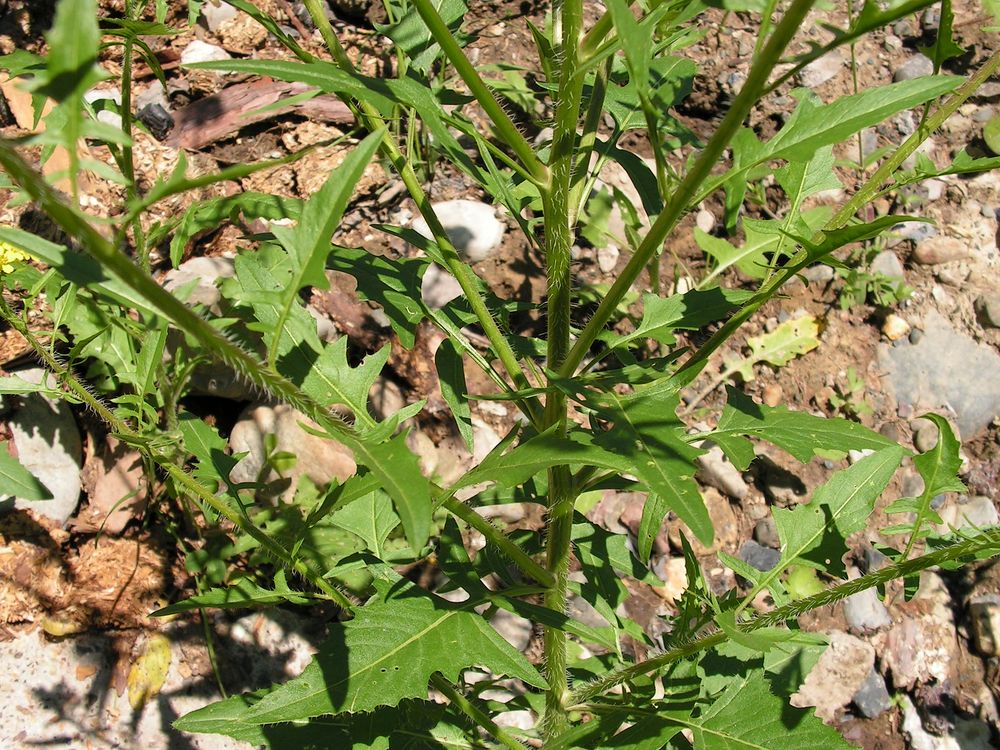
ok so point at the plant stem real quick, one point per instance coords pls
(369, 117)
(558, 208)
(847, 211)
(473, 711)
(960, 551)
(682, 196)
(119, 427)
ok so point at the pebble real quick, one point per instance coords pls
(320, 459)
(916, 67)
(783, 487)
(705, 220)
(203, 274)
(716, 470)
(472, 227)
(872, 698)
(217, 14)
(818, 274)
(984, 612)
(772, 394)
(865, 612)
(438, 287)
(945, 369)
(758, 556)
(607, 258)
(914, 231)
(987, 308)
(894, 327)
(766, 532)
(48, 445)
(979, 511)
(514, 629)
(837, 677)
(484, 440)
(822, 69)
(888, 264)
(922, 646)
(925, 437)
(673, 572)
(939, 249)
(198, 51)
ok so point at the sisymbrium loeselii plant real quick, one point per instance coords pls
(420, 665)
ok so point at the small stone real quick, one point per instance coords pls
(607, 258)
(987, 308)
(484, 439)
(916, 67)
(758, 556)
(705, 220)
(978, 512)
(923, 645)
(471, 226)
(47, 440)
(673, 572)
(320, 459)
(853, 456)
(772, 394)
(783, 487)
(939, 249)
(914, 231)
(216, 13)
(716, 470)
(837, 677)
(198, 51)
(872, 698)
(890, 430)
(984, 611)
(200, 277)
(925, 437)
(865, 612)
(822, 69)
(888, 264)
(438, 287)
(766, 533)
(953, 275)
(894, 327)
(818, 274)
(514, 629)
(915, 335)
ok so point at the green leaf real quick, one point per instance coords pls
(791, 339)
(944, 47)
(451, 375)
(636, 42)
(412, 36)
(748, 715)
(73, 43)
(670, 79)
(597, 547)
(18, 481)
(939, 469)
(799, 433)
(814, 534)
(331, 380)
(241, 593)
(387, 653)
(647, 431)
(370, 517)
(654, 510)
(991, 135)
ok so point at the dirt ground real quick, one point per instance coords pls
(76, 580)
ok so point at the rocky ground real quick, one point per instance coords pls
(79, 575)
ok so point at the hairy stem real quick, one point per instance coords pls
(963, 551)
(688, 188)
(473, 711)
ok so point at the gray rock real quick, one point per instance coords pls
(872, 698)
(216, 13)
(758, 556)
(515, 630)
(781, 485)
(716, 470)
(916, 67)
(984, 612)
(319, 459)
(822, 69)
(838, 675)
(978, 512)
(922, 647)
(865, 612)
(988, 310)
(198, 51)
(945, 370)
(766, 533)
(472, 227)
(48, 445)
(199, 278)
(939, 249)
(914, 231)
(887, 263)
(926, 436)
(818, 274)
(438, 287)
(607, 258)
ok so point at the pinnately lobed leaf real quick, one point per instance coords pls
(387, 653)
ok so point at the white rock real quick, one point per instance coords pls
(438, 287)
(484, 439)
(198, 51)
(923, 647)
(319, 459)
(216, 13)
(472, 227)
(516, 719)
(984, 611)
(515, 630)
(607, 258)
(864, 611)
(715, 469)
(837, 676)
(48, 445)
(704, 220)
(822, 69)
(895, 327)
(203, 273)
